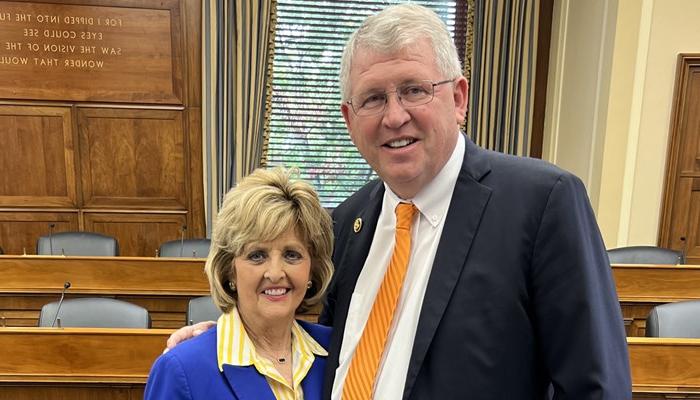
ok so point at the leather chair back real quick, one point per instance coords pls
(202, 309)
(678, 320)
(77, 244)
(645, 255)
(96, 312)
(188, 248)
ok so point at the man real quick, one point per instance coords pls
(507, 290)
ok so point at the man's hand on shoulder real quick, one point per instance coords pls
(187, 332)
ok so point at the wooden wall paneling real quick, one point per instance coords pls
(138, 233)
(38, 162)
(178, 50)
(19, 230)
(196, 218)
(132, 158)
(192, 27)
(191, 40)
(129, 73)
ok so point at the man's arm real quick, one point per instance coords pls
(187, 332)
(577, 312)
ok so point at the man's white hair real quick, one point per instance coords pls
(396, 28)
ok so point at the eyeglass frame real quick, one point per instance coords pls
(398, 97)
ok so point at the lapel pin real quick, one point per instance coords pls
(357, 226)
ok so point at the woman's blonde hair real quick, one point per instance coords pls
(263, 206)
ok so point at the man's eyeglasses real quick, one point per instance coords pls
(409, 95)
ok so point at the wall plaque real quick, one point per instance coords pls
(91, 52)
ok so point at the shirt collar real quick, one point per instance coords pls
(433, 201)
(234, 346)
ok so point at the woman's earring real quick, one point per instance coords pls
(232, 286)
(309, 284)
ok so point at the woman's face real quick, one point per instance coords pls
(271, 279)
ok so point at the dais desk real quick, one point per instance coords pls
(91, 363)
(77, 363)
(164, 286)
(665, 368)
(641, 287)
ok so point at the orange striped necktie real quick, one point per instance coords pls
(364, 364)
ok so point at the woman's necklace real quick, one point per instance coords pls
(278, 359)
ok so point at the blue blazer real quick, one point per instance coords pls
(190, 371)
(520, 294)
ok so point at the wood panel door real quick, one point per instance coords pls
(680, 216)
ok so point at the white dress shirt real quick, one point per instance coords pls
(432, 203)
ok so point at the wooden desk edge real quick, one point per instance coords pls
(85, 331)
(117, 258)
(655, 341)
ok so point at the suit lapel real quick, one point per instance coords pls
(247, 383)
(314, 379)
(461, 225)
(356, 250)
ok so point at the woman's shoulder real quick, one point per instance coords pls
(202, 347)
(183, 370)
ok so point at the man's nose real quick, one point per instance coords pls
(395, 114)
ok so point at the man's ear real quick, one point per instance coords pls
(347, 116)
(461, 98)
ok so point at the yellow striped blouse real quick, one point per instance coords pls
(234, 347)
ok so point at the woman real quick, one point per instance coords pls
(270, 258)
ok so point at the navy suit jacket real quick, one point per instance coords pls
(190, 371)
(520, 294)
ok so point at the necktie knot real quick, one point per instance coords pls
(404, 215)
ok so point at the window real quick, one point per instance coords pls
(306, 127)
